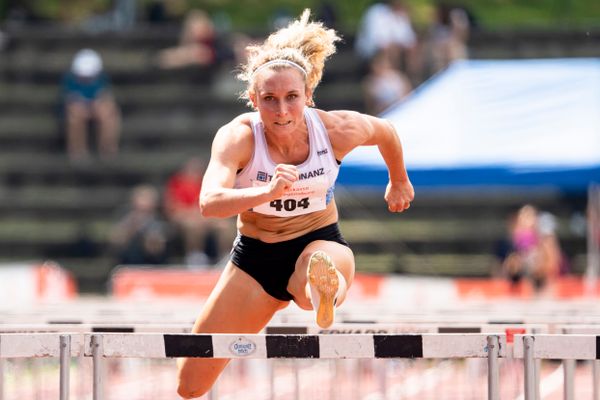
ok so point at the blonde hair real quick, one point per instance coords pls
(306, 44)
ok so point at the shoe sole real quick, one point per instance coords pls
(323, 277)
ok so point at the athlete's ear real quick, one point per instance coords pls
(252, 96)
(309, 99)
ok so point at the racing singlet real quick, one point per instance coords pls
(317, 174)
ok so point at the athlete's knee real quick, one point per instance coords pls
(190, 385)
(190, 389)
(304, 258)
(304, 304)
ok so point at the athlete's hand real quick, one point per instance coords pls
(283, 179)
(398, 195)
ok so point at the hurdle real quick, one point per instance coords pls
(63, 346)
(272, 346)
(569, 348)
(569, 365)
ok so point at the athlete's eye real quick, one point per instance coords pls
(292, 96)
(268, 98)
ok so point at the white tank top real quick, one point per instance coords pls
(313, 191)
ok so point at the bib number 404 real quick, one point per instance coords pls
(289, 204)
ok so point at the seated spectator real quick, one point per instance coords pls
(140, 236)
(327, 13)
(384, 86)
(552, 261)
(3, 40)
(197, 44)
(181, 195)
(120, 16)
(520, 260)
(535, 252)
(386, 28)
(201, 236)
(449, 36)
(86, 97)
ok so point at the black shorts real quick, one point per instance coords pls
(272, 264)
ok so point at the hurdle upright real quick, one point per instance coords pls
(36, 345)
(273, 346)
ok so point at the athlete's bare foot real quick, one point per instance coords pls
(324, 284)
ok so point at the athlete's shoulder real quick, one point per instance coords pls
(240, 127)
(337, 118)
(342, 121)
(235, 136)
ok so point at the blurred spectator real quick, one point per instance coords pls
(551, 262)
(121, 16)
(3, 34)
(326, 12)
(87, 98)
(197, 43)
(232, 53)
(140, 236)
(156, 12)
(384, 85)
(3, 40)
(201, 236)
(386, 28)
(449, 35)
(520, 260)
(181, 195)
(534, 251)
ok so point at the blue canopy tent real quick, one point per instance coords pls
(513, 123)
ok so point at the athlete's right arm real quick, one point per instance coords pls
(231, 150)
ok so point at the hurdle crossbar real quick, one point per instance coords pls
(562, 347)
(293, 346)
(37, 345)
(270, 346)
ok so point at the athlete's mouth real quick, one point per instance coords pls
(283, 123)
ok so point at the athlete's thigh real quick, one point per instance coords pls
(237, 304)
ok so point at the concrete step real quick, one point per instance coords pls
(138, 66)
(132, 168)
(416, 237)
(218, 96)
(63, 201)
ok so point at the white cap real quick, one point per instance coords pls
(86, 63)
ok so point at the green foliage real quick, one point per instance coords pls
(258, 14)
(549, 14)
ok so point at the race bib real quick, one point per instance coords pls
(305, 196)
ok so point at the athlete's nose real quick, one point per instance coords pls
(281, 108)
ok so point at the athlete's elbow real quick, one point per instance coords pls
(209, 208)
(206, 210)
(204, 204)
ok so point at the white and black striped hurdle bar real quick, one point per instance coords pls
(528, 347)
(272, 346)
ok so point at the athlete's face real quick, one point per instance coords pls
(280, 96)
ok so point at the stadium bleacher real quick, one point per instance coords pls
(47, 203)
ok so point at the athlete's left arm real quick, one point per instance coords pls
(351, 129)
